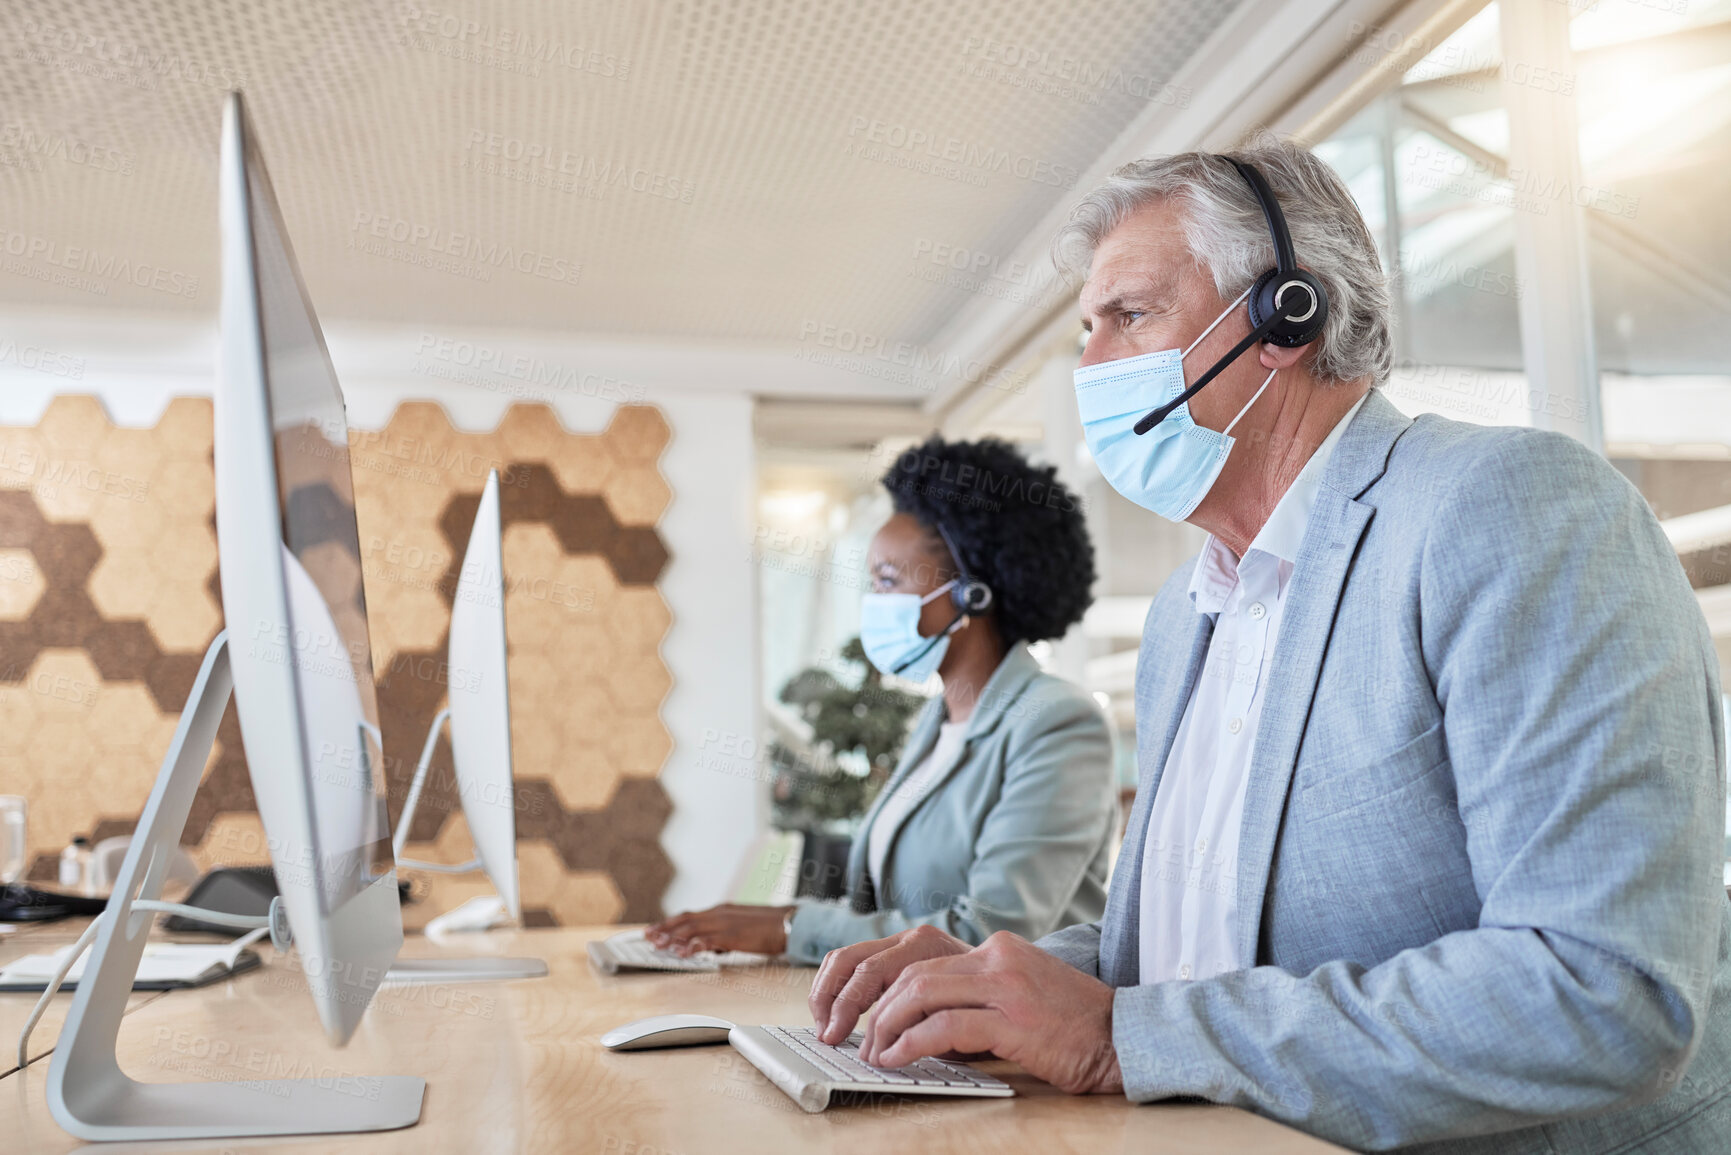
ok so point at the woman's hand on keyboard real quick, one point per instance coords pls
(726, 927)
(852, 978)
(1006, 996)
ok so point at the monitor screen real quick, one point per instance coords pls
(327, 640)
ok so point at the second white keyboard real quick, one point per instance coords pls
(629, 950)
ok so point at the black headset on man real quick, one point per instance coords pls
(1287, 305)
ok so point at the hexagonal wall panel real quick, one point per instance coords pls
(21, 584)
(109, 596)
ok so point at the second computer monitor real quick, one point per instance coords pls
(480, 702)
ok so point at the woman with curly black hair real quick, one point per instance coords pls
(1000, 815)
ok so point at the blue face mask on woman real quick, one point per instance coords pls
(1170, 468)
(889, 629)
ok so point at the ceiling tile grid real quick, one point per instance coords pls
(678, 170)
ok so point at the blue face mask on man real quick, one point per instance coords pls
(1170, 469)
(889, 630)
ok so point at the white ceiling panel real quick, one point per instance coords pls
(771, 174)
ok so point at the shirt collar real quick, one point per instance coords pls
(1217, 571)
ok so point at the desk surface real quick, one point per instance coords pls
(15, 1006)
(518, 1067)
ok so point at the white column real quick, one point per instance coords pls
(1550, 229)
(1388, 135)
(712, 648)
(1063, 428)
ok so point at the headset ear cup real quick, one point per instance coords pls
(971, 597)
(1288, 334)
(1260, 303)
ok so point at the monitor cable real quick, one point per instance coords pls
(275, 924)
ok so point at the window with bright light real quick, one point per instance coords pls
(1429, 164)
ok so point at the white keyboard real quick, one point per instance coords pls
(809, 1071)
(629, 950)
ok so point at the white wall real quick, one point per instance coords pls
(712, 647)
(136, 365)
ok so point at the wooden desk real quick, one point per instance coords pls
(15, 1006)
(518, 1067)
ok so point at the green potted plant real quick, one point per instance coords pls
(857, 731)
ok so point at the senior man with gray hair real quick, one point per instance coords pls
(1427, 844)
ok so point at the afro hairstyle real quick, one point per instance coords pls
(1016, 526)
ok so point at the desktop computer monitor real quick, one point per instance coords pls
(295, 607)
(479, 709)
(480, 702)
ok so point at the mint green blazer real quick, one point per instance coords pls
(1015, 836)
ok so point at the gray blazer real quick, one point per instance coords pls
(1015, 836)
(1484, 822)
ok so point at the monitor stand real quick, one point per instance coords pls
(88, 1093)
(484, 968)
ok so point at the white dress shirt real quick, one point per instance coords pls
(1189, 909)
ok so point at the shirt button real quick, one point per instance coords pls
(1184, 971)
(1258, 610)
(1235, 725)
(1202, 845)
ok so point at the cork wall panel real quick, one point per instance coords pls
(110, 593)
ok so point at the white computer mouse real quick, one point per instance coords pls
(667, 1031)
